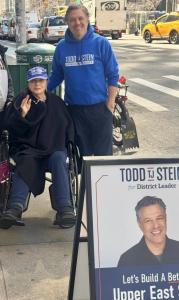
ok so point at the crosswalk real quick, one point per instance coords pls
(148, 103)
(176, 78)
(144, 102)
(138, 49)
(156, 87)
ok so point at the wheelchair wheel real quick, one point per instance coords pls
(73, 179)
(4, 194)
(4, 170)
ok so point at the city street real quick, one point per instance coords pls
(153, 77)
(35, 259)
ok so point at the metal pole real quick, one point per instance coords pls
(173, 5)
(20, 23)
(166, 5)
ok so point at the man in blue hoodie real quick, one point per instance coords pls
(87, 64)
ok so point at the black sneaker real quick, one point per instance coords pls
(65, 218)
(11, 216)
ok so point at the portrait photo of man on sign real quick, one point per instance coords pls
(154, 248)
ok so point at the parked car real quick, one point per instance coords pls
(52, 29)
(165, 27)
(32, 32)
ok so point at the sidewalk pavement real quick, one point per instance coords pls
(35, 259)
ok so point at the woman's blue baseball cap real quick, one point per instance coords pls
(37, 73)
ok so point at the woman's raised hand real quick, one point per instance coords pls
(25, 106)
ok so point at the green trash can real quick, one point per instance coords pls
(30, 55)
(35, 54)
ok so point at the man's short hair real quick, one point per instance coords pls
(149, 200)
(74, 7)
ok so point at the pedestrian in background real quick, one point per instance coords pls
(6, 86)
(87, 64)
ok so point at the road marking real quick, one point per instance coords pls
(117, 49)
(173, 77)
(126, 49)
(155, 49)
(156, 87)
(150, 105)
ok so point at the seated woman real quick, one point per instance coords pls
(40, 127)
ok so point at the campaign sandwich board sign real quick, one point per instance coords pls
(129, 212)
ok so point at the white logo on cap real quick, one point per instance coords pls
(37, 70)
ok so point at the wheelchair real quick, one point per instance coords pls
(7, 168)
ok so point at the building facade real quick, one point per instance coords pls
(2, 7)
(42, 7)
(7, 7)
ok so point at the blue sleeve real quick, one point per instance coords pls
(111, 68)
(57, 74)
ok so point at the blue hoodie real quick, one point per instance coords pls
(88, 67)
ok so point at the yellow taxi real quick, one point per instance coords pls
(165, 27)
